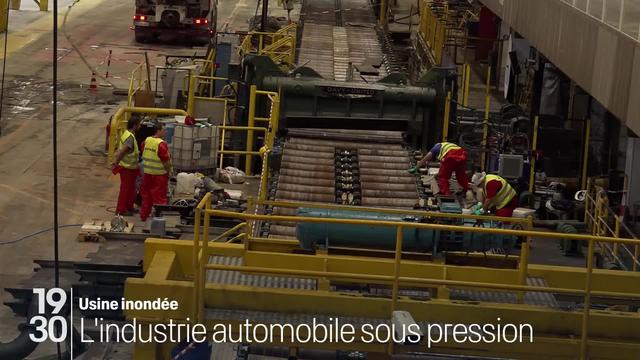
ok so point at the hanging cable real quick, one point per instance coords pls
(56, 232)
(4, 62)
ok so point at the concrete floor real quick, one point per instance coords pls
(87, 188)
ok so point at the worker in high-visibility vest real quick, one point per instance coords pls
(498, 194)
(452, 159)
(157, 169)
(126, 164)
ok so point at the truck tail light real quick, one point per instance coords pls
(140, 18)
(201, 21)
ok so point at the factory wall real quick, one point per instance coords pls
(600, 59)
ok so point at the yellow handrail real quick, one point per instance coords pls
(200, 243)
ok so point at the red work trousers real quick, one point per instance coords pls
(127, 195)
(154, 191)
(454, 161)
(507, 211)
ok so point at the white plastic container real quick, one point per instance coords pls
(194, 148)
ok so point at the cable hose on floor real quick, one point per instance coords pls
(37, 233)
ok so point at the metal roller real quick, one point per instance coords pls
(309, 154)
(308, 167)
(344, 144)
(313, 148)
(307, 188)
(296, 196)
(386, 172)
(390, 194)
(383, 165)
(385, 159)
(391, 180)
(380, 152)
(369, 185)
(306, 181)
(304, 173)
(306, 160)
(402, 203)
(283, 230)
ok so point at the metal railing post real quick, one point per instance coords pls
(192, 94)
(251, 123)
(447, 115)
(196, 264)
(532, 169)
(485, 133)
(524, 260)
(585, 153)
(396, 267)
(616, 234)
(584, 346)
(467, 83)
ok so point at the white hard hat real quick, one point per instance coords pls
(478, 178)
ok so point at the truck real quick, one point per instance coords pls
(190, 20)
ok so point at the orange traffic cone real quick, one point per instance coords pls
(93, 85)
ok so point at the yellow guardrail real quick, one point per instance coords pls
(280, 46)
(138, 80)
(601, 220)
(204, 212)
(433, 29)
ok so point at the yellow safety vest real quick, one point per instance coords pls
(504, 196)
(130, 160)
(152, 163)
(445, 147)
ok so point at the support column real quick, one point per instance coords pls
(15, 4)
(3, 15)
(44, 5)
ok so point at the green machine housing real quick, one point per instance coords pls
(323, 235)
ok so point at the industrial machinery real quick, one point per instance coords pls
(313, 235)
(191, 20)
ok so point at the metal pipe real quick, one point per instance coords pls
(532, 167)
(445, 121)
(295, 205)
(441, 227)
(250, 124)
(585, 153)
(396, 165)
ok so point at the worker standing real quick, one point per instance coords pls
(157, 169)
(126, 164)
(452, 159)
(498, 194)
(288, 5)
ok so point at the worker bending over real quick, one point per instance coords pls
(157, 169)
(452, 158)
(498, 194)
(126, 164)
